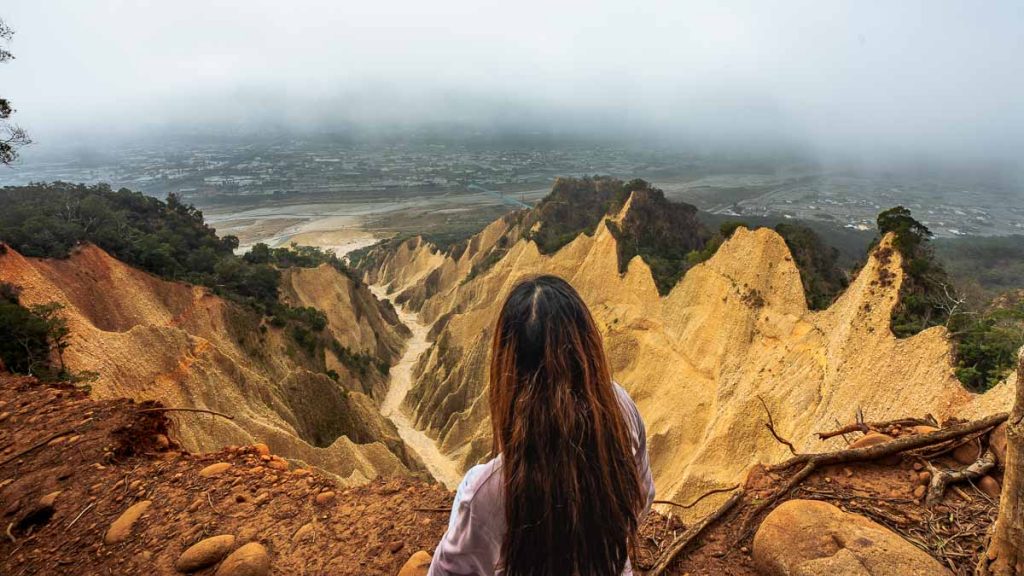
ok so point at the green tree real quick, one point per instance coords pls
(927, 296)
(910, 234)
(986, 342)
(12, 136)
(258, 254)
(29, 337)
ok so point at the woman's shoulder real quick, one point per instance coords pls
(634, 421)
(479, 495)
(481, 478)
(627, 404)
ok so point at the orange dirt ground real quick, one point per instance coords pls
(115, 457)
(104, 456)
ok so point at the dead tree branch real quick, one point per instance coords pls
(770, 424)
(684, 539)
(200, 410)
(895, 446)
(699, 498)
(866, 427)
(943, 478)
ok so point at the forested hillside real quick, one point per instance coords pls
(169, 239)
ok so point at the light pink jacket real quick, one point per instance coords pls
(476, 528)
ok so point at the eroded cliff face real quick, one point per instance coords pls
(355, 319)
(148, 338)
(734, 331)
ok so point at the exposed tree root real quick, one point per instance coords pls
(699, 498)
(896, 446)
(941, 479)
(200, 410)
(866, 427)
(1005, 553)
(917, 444)
(748, 528)
(691, 533)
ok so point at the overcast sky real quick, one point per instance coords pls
(928, 76)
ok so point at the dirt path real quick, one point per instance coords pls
(443, 468)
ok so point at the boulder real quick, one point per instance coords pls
(325, 497)
(812, 538)
(249, 560)
(49, 500)
(990, 487)
(262, 449)
(205, 553)
(417, 565)
(874, 439)
(215, 469)
(121, 528)
(968, 453)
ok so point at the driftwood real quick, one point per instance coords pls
(690, 534)
(941, 479)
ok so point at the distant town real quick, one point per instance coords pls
(217, 174)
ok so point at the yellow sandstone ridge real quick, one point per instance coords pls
(734, 331)
(151, 339)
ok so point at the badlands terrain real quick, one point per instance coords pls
(151, 339)
(203, 421)
(734, 333)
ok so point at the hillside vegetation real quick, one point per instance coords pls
(574, 206)
(170, 239)
(986, 334)
(665, 234)
(31, 336)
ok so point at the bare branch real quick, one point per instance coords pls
(771, 428)
(699, 498)
(693, 532)
(943, 478)
(896, 446)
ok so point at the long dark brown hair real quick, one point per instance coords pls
(572, 489)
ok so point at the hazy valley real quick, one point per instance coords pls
(328, 288)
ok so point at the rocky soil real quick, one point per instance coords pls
(101, 487)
